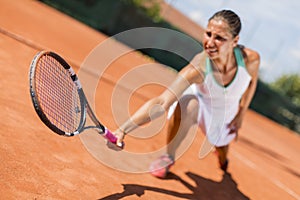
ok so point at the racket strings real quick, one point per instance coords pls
(57, 94)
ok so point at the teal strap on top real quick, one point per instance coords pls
(239, 57)
(208, 68)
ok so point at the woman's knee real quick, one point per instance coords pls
(222, 149)
(189, 106)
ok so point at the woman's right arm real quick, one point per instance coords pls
(154, 108)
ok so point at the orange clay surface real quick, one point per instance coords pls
(38, 164)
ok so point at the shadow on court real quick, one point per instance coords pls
(226, 189)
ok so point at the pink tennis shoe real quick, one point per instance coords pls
(160, 167)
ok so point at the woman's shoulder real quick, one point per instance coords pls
(252, 59)
(199, 61)
(249, 54)
(194, 72)
(252, 55)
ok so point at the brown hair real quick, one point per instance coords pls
(232, 19)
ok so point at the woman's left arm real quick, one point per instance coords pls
(252, 63)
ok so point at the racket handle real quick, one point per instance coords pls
(112, 138)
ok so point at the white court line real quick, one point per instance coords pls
(288, 190)
(274, 181)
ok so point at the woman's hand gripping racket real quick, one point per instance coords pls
(59, 100)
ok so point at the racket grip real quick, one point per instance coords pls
(112, 138)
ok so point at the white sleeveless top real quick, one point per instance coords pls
(220, 104)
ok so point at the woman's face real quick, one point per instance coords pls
(217, 40)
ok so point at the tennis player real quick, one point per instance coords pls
(214, 91)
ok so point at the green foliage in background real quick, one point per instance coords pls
(289, 86)
(150, 7)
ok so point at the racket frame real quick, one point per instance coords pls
(84, 105)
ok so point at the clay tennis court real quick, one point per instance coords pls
(38, 164)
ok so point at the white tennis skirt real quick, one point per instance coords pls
(213, 121)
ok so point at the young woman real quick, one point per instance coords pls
(223, 79)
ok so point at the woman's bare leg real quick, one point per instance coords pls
(184, 117)
(222, 156)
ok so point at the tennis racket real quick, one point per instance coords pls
(59, 100)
